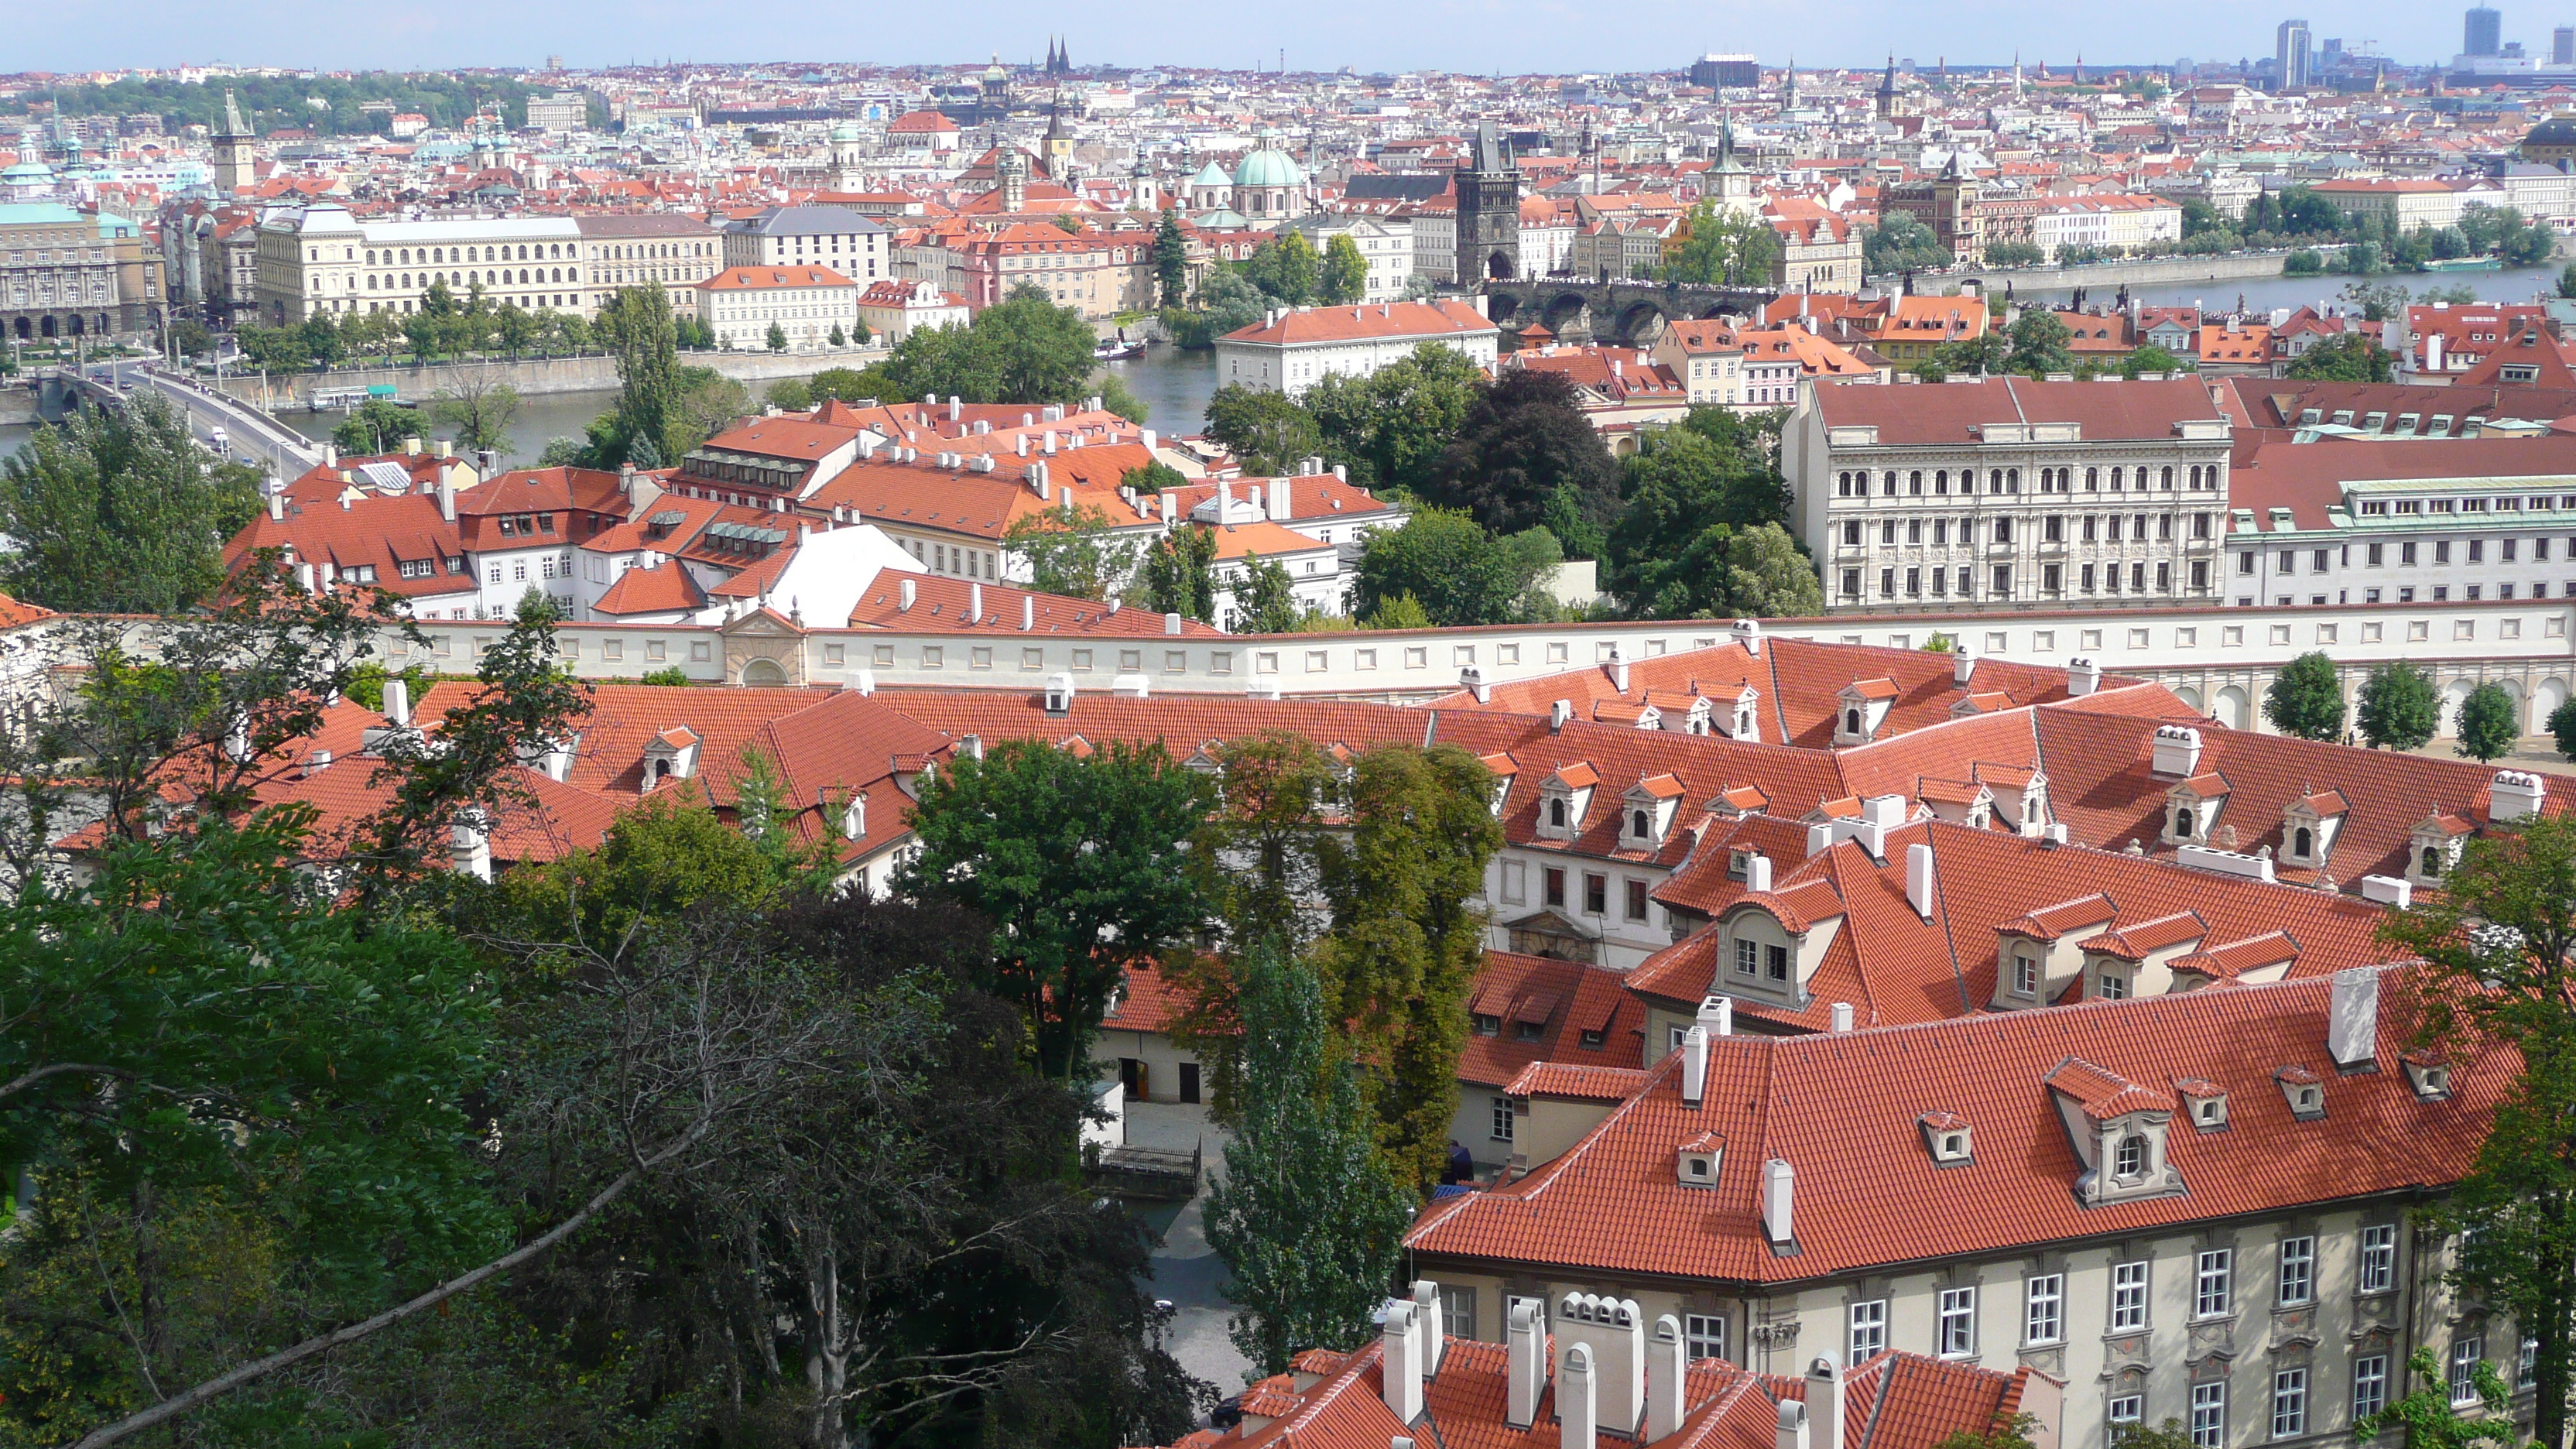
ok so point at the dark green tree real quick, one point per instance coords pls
(1177, 574)
(478, 409)
(1079, 554)
(776, 338)
(2562, 729)
(2353, 357)
(1454, 570)
(1171, 261)
(2398, 709)
(2306, 699)
(119, 511)
(1343, 277)
(1716, 473)
(2488, 724)
(1079, 863)
(2428, 1418)
(1267, 432)
(1286, 268)
(1307, 1217)
(1265, 600)
(636, 324)
(2039, 339)
(1388, 428)
(1725, 248)
(1525, 456)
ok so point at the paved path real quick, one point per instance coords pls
(1186, 1270)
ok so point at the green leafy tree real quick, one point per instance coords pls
(1984, 356)
(2567, 281)
(1453, 570)
(2428, 1418)
(2306, 699)
(2014, 254)
(1525, 455)
(2562, 729)
(119, 511)
(1307, 1217)
(322, 340)
(663, 861)
(1177, 574)
(1171, 260)
(1078, 863)
(1116, 398)
(847, 384)
(1767, 575)
(2151, 358)
(2353, 357)
(776, 338)
(1286, 268)
(838, 337)
(2399, 710)
(1227, 301)
(1389, 427)
(2487, 723)
(2004, 1431)
(2039, 339)
(1080, 555)
(377, 426)
(636, 324)
(1902, 243)
(1724, 248)
(1344, 276)
(707, 403)
(1267, 432)
(1682, 484)
(1265, 599)
(1404, 611)
(790, 395)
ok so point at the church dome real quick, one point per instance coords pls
(846, 131)
(2556, 131)
(1267, 167)
(1211, 175)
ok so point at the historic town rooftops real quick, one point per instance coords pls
(1866, 1196)
(2003, 408)
(1305, 326)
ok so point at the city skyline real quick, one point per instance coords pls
(1514, 37)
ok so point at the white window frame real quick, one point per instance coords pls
(1955, 1327)
(1502, 1123)
(2209, 1415)
(2043, 1317)
(2213, 1283)
(2369, 1385)
(2378, 1272)
(2129, 1297)
(2289, 1402)
(2298, 1281)
(1867, 1336)
(2467, 1352)
(2122, 1413)
(1704, 1335)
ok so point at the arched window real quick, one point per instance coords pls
(2130, 1158)
(1914, 482)
(2432, 860)
(2165, 480)
(2303, 844)
(1637, 825)
(1888, 484)
(2182, 821)
(2092, 480)
(1851, 721)
(1556, 814)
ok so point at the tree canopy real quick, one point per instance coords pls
(120, 511)
(1525, 456)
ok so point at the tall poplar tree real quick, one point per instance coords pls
(638, 328)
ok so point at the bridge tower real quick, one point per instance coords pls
(232, 151)
(1489, 212)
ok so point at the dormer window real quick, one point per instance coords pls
(2303, 843)
(2110, 984)
(2430, 1077)
(1641, 825)
(1699, 1160)
(2300, 1088)
(2204, 1104)
(854, 818)
(1487, 1025)
(1946, 1136)
(1556, 813)
(1852, 721)
(2129, 1157)
(2184, 819)
(2025, 971)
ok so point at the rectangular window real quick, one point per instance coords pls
(2213, 1283)
(2298, 1283)
(2369, 1385)
(1515, 883)
(1704, 1335)
(2466, 1354)
(2378, 1258)
(1636, 900)
(1748, 958)
(1868, 1331)
(2122, 1415)
(1458, 1311)
(1556, 886)
(2289, 1403)
(1596, 894)
(2209, 1416)
(1958, 1330)
(1502, 1118)
(2044, 1309)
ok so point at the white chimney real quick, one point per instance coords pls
(956, 407)
(1171, 623)
(1427, 1325)
(1919, 880)
(1665, 1361)
(1131, 686)
(2177, 752)
(1574, 1400)
(1842, 1016)
(1028, 612)
(470, 846)
(2083, 676)
(1524, 1364)
(1400, 1367)
(277, 507)
(1558, 713)
(1171, 507)
(1472, 680)
(1793, 1425)
(2352, 1018)
(1224, 502)
(905, 593)
(1757, 872)
(1146, 437)
(1617, 668)
(1694, 1066)
(1280, 511)
(1748, 632)
(1257, 505)
(975, 603)
(2388, 890)
(1717, 1013)
(397, 710)
(1963, 663)
(1825, 1401)
(866, 683)
(2513, 795)
(1779, 1185)
(1611, 1333)
(330, 455)
(1050, 444)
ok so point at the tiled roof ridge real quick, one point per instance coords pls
(1565, 1163)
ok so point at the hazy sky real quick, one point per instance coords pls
(1514, 36)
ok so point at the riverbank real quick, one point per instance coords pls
(530, 377)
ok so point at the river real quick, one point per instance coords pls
(1174, 386)
(2261, 294)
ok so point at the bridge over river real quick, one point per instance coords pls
(244, 430)
(1632, 313)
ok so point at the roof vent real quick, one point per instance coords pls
(1130, 686)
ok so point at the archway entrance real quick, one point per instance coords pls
(763, 674)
